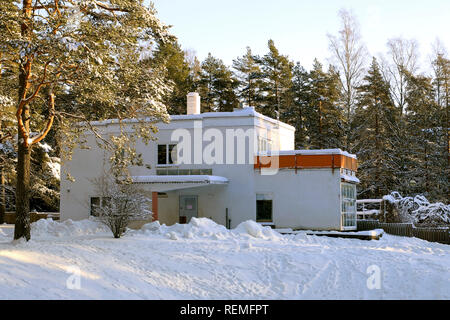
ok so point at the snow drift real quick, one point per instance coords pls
(248, 262)
(197, 228)
(67, 228)
(206, 228)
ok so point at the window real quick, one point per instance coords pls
(348, 203)
(96, 204)
(167, 154)
(264, 144)
(264, 208)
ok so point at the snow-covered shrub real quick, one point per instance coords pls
(121, 203)
(419, 210)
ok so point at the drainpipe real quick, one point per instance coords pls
(227, 219)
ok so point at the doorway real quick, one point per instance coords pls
(188, 208)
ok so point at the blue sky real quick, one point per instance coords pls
(299, 28)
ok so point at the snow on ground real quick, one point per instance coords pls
(203, 260)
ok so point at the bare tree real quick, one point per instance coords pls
(350, 54)
(439, 61)
(404, 55)
(119, 204)
(193, 62)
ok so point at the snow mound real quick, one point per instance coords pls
(256, 230)
(207, 228)
(68, 228)
(153, 226)
(196, 228)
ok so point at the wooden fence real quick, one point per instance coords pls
(441, 235)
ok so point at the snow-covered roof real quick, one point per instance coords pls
(350, 178)
(194, 179)
(244, 112)
(369, 200)
(316, 152)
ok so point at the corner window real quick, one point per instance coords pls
(264, 208)
(348, 203)
(167, 154)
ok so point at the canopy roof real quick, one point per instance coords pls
(169, 183)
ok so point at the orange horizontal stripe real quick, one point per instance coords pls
(307, 161)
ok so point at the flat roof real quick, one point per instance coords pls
(244, 112)
(309, 152)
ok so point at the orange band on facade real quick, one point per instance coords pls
(155, 205)
(307, 161)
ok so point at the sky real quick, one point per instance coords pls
(299, 28)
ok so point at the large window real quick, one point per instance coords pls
(348, 203)
(167, 154)
(264, 208)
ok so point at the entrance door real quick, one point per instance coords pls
(188, 208)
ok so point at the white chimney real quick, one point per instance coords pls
(193, 103)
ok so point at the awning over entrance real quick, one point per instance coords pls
(169, 183)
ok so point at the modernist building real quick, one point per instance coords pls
(229, 167)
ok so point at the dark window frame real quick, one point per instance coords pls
(164, 154)
(264, 205)
(95, 204)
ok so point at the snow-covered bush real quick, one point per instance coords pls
(419, 210)
(121, 204)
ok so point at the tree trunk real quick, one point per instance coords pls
(349, 111)
(22, 226)
(378, 152)
(320, 126)
(3, 197)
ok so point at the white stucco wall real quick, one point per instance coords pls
(308, 199)
(238, 196)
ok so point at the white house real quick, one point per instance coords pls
(227, 166)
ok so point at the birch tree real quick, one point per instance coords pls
(349, 53)
(404, 55)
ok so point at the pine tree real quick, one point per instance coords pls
(326, 129)
(178, 71)
(216, 86)
(375, 119)
(249, 76)
(424, 132)
(297, 113)
(441, 83)
(277, 80)
(59, 47)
